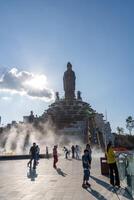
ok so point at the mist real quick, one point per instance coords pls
(20, 138)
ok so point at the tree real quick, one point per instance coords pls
(130, 124)
(120, 130)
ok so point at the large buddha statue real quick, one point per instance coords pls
(69, 82)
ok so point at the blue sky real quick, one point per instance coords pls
(97, 37)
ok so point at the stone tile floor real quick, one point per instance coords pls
(18, 183)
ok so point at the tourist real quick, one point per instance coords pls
(47, 154)
(32, 152)
(73, 151)
(66, 152)
(114, 175)
(37, 154)
(89, 152)
(55, 156)
(77, 151)
(86, 168)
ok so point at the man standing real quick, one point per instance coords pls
(55, 156)
(47, 154)
(77, 151)
(37, 154)
(33, 152)
(73, 150)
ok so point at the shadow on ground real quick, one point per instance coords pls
(60, 172)
(121, 191)
(103, 183)
(96, 194)
(31, 174)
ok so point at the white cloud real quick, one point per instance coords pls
(26, 83)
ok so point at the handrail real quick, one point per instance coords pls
(125, 163)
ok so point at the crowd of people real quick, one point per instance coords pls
(75, 152)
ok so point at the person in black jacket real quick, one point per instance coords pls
(33, 153)
(73, 151)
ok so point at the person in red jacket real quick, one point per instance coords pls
(55, 156)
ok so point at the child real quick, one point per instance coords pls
(86, 166)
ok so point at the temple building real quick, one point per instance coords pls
(71, 115)
(103, 128)
(30, 118)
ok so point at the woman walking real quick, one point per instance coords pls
(114, 174)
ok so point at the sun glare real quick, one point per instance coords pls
(37, 82)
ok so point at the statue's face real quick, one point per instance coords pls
(69, 66)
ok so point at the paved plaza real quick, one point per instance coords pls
(18, 183)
